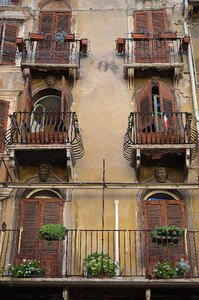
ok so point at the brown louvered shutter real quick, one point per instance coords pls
(33, 214)
(62, 25)
(15, 2)
(162, 212)
(9, 45)
(29, 218)
(167, 105)
(145, 106)
(153, 50)
(152, 218)
(142, 25)
(44, 52)
(3, 120)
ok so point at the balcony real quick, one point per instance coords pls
(47, 54)
(10, 2)
(32, 132)
(152, 54)
(166, 133)
(134, 251)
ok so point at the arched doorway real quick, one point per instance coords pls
(38, 208)
(162, 209)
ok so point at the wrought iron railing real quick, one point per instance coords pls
(45, 128)
(159, 128)
(10, 2)
(42, 52)
(153, 51)
(134, 251)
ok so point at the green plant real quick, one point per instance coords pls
(52, 232)
(29, 268)
(167, 234)
(101, 264)
(167, 269)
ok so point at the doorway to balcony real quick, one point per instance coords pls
(163, 209)
(42, 207)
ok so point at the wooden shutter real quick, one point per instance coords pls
(9, 45)
(167, 105)
(162, 212)
(154, 50)
(145, 107)
(3, 120)
(33, 214)
(15, 2)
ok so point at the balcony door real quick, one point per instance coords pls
(33, 213)
(50, 51)
(159, 211)
(152, 50)
(156, 117)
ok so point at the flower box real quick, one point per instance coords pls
(166, 235)
(70, 37)
(36, 37)
(140, 36)
(168, 35)
(185, 43)
(20, 44)
(84, 46)
(120, 45)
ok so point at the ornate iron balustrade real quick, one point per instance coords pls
(159, 128)
(45, 128)
(152, 51)
(42, 52)
(10, 2)
(134, 251)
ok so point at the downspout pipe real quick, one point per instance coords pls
(191, 70)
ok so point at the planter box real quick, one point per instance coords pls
(36, 37)
(84, 46)
(120, 45)
(185, 43)
(168, 36)
(140, 36)
(20, 44)
(166, 239)
(70, 37)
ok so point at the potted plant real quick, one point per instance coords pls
(52, 232)
(168, 269)
(167, 234)
(29, 268)
(100, 265)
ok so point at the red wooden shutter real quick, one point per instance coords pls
(15, 2)
(9, 45)
(145, 106)
(34, 213)
(167, 105)
(162, 212)
(3, 120)
(62, 49)
(44, 48)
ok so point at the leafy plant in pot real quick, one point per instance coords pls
(100, 265)
(27, 269)
(168, 269)
(167, 234)
(53, 232)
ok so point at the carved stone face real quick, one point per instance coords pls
(44, 172)
(161, 175)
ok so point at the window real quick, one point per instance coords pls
(152, 50)
(10, 2)
(8, 34)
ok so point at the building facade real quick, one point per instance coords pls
(99, 133)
